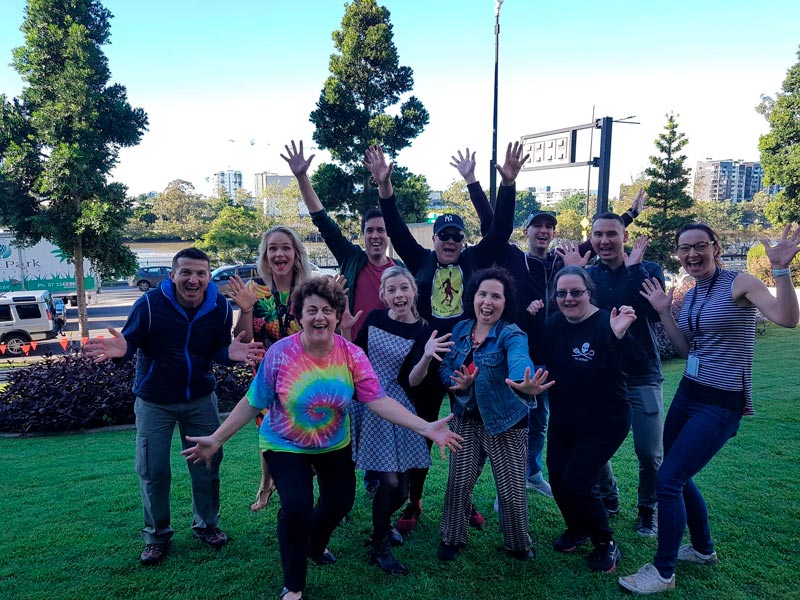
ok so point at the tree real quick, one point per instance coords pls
(60, 139)
(670, 204)
(180, 212)
(780, 148)
(526, 204)
(456, 200)
(366, 80)
(234, 235)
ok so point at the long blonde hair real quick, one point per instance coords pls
(398, 271)
(301, 268)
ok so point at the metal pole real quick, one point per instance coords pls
(604, 165)
(492, 170)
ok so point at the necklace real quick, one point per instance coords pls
(475, 342)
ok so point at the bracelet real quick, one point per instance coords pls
(633, 212)
(781, 272)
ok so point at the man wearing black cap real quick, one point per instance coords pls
(442, 273)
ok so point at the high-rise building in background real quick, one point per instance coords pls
(229, 181)
(265, 179)
(733, 180)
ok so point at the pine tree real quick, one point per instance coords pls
(669, 203)
(780, 148)
(61, 138)
(366, 79)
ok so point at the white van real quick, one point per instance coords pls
(26, 316)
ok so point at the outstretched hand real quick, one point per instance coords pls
(658, 299)
(297, 163)
(204, 449)
(637, 252)
(639, 202)
(462, 379)
(781, 254)
(101, 348)
(621, 319)
(465, 165)
(571, 254)
(439, 433)
(513, 164)
(246, 352)
(531, 386)
(436, 345)
(244, 297)
(376, 164)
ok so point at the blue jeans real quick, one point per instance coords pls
(693, 433)
(537, 428)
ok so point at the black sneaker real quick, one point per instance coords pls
(604, 558)
(646, 523)
(447, 552)
(569, 542)
(154, 553)
(611, 505)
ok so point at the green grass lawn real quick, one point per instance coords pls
(73, 517)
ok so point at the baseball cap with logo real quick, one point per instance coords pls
(541, 214)
(447, 220)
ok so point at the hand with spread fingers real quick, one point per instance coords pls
(531, 386)
(571, 254)
(465, 165)
(513, 163)
(440, 434)
(437, 345)
(639, 204)
(637, 252)
(243, 296)
(376, 164)
(657, 297)
(103, 348)
(785, 249)
(246, 352)
(298, 164)
(462, 379)
(621, 319)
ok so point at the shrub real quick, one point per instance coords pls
(758, 266)
(71, 393)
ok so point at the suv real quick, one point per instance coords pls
(222, 276)
(148, 277)
(26, 316)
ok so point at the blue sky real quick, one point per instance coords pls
(211, 72)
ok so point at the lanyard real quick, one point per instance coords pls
(282, 311)
(695, 330)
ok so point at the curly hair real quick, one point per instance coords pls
(324, 287)
(498, 274)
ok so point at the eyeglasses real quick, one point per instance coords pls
(698, 247)
(446, 236)
(561, 294)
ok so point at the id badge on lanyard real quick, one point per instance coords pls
(692, 365)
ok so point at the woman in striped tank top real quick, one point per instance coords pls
(715, 332)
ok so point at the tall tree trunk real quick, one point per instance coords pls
(80, 287)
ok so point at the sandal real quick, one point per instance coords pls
(263, 497)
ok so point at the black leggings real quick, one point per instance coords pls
(391, 495)
(304, 529)
(429, 410)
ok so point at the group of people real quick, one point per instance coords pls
(526, 345)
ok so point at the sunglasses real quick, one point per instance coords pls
(446, 236)
(561, 294)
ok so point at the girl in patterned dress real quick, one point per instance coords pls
(265, 312)
(394, 340)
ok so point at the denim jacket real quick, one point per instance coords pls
(503, 354)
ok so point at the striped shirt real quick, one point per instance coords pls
(721, 335)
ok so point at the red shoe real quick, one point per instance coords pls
(409, 517)
(476, 519)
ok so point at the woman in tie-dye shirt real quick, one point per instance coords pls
(308, 381)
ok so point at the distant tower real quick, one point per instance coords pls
(229, 181)
(734, 180)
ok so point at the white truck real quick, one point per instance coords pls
(41, 267)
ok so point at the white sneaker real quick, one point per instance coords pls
(647, 580)
(688, 554)
(540, 486)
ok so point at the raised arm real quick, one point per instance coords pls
(411, 252)
(433, 348)
(299, 165)
(465, 165)
(781, 309)
(662, 304)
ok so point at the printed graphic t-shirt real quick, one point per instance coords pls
(308, 397)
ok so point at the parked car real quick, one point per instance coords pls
(149, 277)
(27, 316)
(222, 276)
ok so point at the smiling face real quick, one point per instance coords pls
(608, 241)
(318, 319)
(280, 254)
(448, 250)
(398, 294)
(540, 234)
(191, 277)
(376, 241)
(574, 309)
(489, 302)
(698, 264)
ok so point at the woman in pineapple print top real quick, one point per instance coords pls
(266, 315)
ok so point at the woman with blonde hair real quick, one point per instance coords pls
(266, 314)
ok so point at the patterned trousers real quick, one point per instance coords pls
(507, 452)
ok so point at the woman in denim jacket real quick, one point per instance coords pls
(489, 370)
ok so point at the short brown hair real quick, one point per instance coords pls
(324, 287)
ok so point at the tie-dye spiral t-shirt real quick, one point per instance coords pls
(308, 397)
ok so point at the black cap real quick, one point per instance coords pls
(541, 214)
(448, 220)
